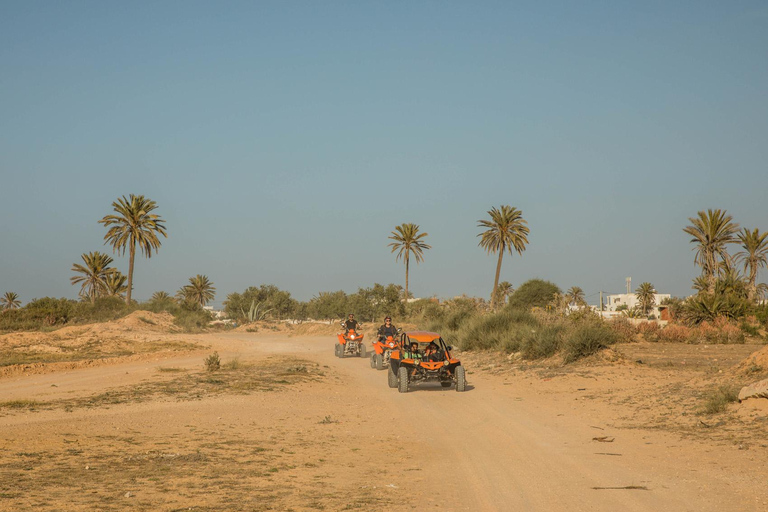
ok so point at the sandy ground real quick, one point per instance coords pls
(303, 430)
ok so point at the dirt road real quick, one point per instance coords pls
(347, 441)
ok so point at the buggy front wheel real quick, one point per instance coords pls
(392, 378)
(461, 378)
(402, 377)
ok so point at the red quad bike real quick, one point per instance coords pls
(350, 344)
(382, 350)
(407, 369)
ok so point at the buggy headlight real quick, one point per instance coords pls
(446, 363)
(352, 337)
(391, 345)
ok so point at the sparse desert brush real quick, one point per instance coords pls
(721, 331)
(675, 333)
(212, 362)
(717, 401)
(649, 330)
(623, 328)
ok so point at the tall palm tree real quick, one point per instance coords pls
(646, 296)
(754, 256)
(711, 231)
(506, 230)
(10, 301)
(93, 274)
(114, 284)
(575, 295)
(407, 240)
(200, 290)
(133, 225)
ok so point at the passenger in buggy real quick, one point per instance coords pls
(433, 353)
(412, 352)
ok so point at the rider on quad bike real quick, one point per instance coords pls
(351, 340)
(386, 342)
(387, 329)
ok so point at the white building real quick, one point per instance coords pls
(630, 300)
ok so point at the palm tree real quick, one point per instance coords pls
(503, 291)
(754, 256)
(646, 296)
(10, 301)
(407, 240)
(712, 231)
(507, 230)
(114, 284)
(576, 296)
(93, 274)
(200, 290)
(133, 225)
(161, 297)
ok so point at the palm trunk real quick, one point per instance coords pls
(132, 254)
(407, 262)
(496, 281)
(752, 281)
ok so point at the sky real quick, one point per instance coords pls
(284, 141)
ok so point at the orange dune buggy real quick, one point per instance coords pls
(350, 343)
(406, 369)
(382, 350)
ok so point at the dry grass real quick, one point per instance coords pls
(268, 375)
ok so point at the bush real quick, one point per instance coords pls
(675, 333)
(212, 362)
(533, 293)
(717, 401)
(504, 330)
(649, 330)
(587, 339)
(623, 328)
(543, 342)
(750, 326)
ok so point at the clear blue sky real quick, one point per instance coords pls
(284, 141)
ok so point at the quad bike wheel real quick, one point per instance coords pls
(362, 350)
(461, 379)
(373, 360)
(379, 361)
(402, 377)
(337, 350)
(391, 378)
(446, 383)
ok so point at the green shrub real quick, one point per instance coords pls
(543, 342)
(587, 339)
(496, 331)
(533, 293)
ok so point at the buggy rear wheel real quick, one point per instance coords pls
(402, 377)
(461, 378)
(391, 378)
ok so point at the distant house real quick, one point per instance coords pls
(630, 300)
